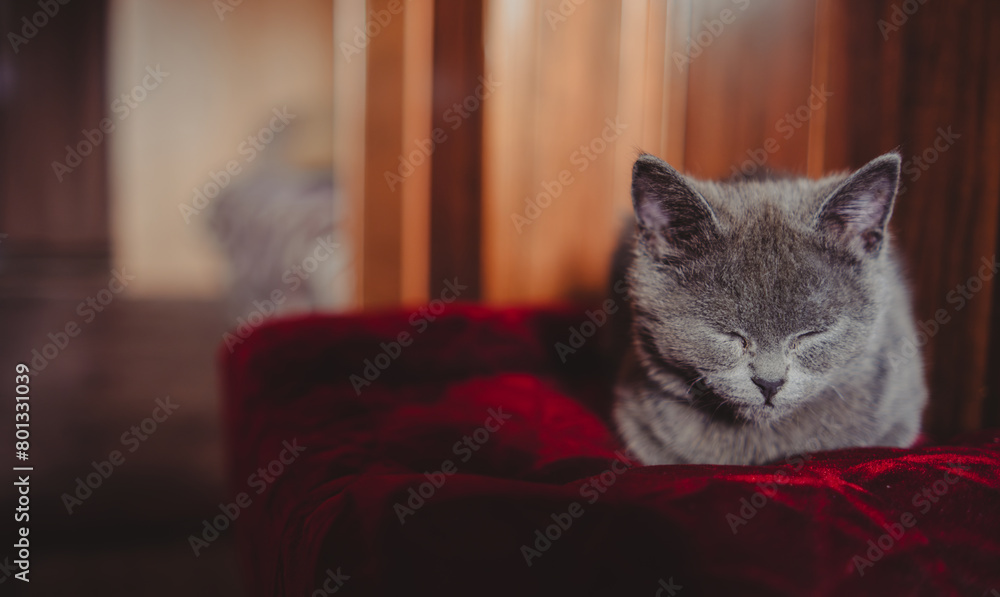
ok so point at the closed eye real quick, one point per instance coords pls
(739, 338)
(804, 336)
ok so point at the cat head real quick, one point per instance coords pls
(768, 290)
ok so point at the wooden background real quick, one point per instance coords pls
(42, 216)
(708, 85)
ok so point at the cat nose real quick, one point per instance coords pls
(768, 387)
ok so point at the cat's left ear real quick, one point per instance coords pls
(857, 213)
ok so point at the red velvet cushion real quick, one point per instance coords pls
(348, 511)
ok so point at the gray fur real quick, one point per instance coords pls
(725, 277)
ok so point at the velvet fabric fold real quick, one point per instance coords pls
(470, 456)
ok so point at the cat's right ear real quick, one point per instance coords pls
(857, 213)
(673, 220)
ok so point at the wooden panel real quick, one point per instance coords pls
(749, 86)
(418, 73)
(652, 88)
(863, 71)
(381, 256)
(456, 180)
(640, 82)
(906, 80)
(43, 211)
(822, 34)
(549, 223)
(349, 128)
(396, 167)
(673, 124)
(509, 120)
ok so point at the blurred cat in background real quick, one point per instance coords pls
(281, 224)
(283, 232)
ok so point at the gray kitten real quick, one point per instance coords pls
(767, 318)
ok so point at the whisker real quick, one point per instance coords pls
(692, 385)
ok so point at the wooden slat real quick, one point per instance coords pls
(456, 179)
(381, 265)
(42, 212)
(349, 128)
(673, 132)
(509, 123)
(558, 90)
(822, 33)
(418, 74)
(988, 162)
(749, 85)
(640, 67)
(652, 88)
(398, 66)
(655, 73)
